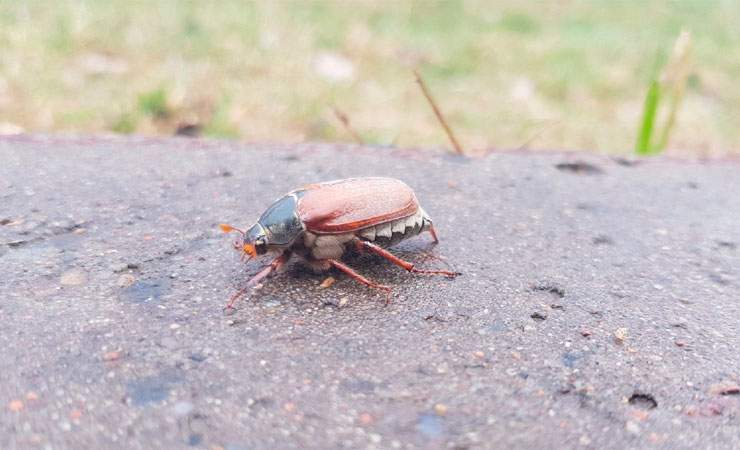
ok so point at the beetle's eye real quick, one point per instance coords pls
(260, 247)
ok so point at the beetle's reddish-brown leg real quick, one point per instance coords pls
(276, 264)
(351, 272)
(368, 246)
(433, 232)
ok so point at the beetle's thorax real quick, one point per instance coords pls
(280, 224)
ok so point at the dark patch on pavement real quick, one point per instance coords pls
(727, 244)
(431, 426)
(643, 401)
(626, 162)
(550, 288)
(146, 291)
(359, 386)
(602, 240)
(538, 316)
(153, 389)
(579, 167)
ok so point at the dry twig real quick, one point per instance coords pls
(345, 121)
(438, 113)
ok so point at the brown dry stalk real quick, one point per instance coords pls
(438, 113)
(345, 121)
(535, 136)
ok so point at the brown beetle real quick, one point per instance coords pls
(320, 222)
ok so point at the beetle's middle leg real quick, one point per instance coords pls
(351, 272)
(378, 250)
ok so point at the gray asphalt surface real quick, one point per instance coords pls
(599, 305)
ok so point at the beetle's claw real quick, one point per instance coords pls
(387, 294)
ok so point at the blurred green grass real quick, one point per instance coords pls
(566, 74)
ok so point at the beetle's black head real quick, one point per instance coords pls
(255, 241)
(252, 242)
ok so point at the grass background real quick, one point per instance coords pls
(507, 74)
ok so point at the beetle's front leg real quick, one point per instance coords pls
(275, 265)
(378, 250)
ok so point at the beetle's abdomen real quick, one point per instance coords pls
(326, 246)
(395, 231)
(333, 246)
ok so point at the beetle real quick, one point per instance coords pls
(320, 222)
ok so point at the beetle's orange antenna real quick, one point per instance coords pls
(226, 228)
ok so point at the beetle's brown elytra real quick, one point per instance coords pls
(320, 222)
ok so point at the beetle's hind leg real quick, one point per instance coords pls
(378, 250)
(356, 276)
(433, 232)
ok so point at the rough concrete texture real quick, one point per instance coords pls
(598, 308)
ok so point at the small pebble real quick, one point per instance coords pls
(632, 427)
(620, 335)
(328, 282)
(182, 409)
(440, 409)
(479, 354)
(343, 302)
(125, 280)
(585, 332)
(32, 396)
(15, 405)
(118, 267)
(74, 277)
(174, 326)
(366, 419)
(725, 388)
(111, 356)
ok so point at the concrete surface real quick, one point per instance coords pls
(599, 305)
